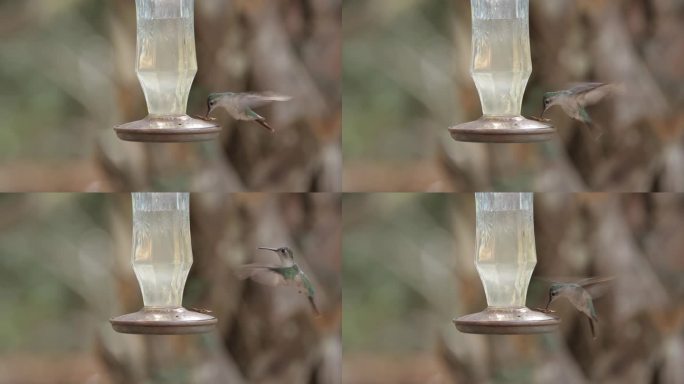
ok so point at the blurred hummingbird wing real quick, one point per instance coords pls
(547, 280)
(592, 281)
(262, 274)
(591, 93)
(544, 280)
(596, 286)
(579, 88)
(256, 100)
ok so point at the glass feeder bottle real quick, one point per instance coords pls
(161, 259)
(501, 66)
(162, 255)
(166, 66)
(505, 259)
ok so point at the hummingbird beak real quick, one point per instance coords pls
(549, 303)
(544, 111)
(269, 249)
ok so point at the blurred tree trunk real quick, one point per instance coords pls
(264, 334)
(290, 47)
(634, 43)
(586, 235)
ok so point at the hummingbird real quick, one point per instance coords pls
(239, 105)
(578, 295)
(574, 101)
(288, 273)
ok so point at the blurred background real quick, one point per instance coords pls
(409, 270)
(406, 79)
(67, 77)
(65, 271)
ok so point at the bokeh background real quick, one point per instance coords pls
(409, 270)
(65, 270)
(406, 79)
(67, 77)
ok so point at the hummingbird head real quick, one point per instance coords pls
(212, 102)
(284, 253)
(550, 99)
(554, 293)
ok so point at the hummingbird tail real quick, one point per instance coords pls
(593, 327)
(595, 130)
(313, 306)
(265, 125)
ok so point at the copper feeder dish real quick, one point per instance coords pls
(507, 321)
(514, 129)
(164, 321)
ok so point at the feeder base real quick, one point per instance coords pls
(492, 129)
(168, 129)
(164, 321)
(507, 321)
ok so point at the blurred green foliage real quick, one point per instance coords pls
(386, 237)
(44, 48)
(385, 116)
(42, 306)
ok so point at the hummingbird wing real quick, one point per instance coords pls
(577, 88)
(592, 281)
(584, 282)
(262, 274)
(596, 286)
(256, 100)
(591, 93)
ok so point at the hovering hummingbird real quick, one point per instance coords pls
(287, 273)
(574, 101)
(239, 105)
(577, 293)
